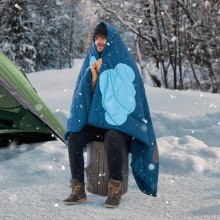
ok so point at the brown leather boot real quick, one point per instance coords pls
(114, 194)
(78, 194)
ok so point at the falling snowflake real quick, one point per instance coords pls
(56, 205)
(172, 181)
(174, 38)
(63, 167)
(144, 120)
(172, 96)
(38, 107)
(102, 174)
(211, 105)
(151, 166)
(206, 3)
(18, 6)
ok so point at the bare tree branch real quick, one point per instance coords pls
(132, 29)
(187, 11)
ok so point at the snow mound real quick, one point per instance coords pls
(187, 154)
(205, 128)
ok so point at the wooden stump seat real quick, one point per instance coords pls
(97, 169)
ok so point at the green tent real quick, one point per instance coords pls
(24, 117)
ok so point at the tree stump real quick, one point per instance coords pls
(97, 169)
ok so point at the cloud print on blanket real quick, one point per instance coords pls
(118, 93)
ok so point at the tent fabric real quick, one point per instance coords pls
(119, 102)
(24, 117)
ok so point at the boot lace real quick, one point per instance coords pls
(76, 189)
(113, 190)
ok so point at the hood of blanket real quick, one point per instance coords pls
(115, 51)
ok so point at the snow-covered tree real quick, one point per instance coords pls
(78, 30)
(45, 34)
(48, 18)
(16, 34)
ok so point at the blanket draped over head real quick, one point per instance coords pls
(119, 102)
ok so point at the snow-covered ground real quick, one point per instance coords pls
(34, 178)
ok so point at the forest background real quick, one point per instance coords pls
(176, 43)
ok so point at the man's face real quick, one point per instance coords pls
(100, 42)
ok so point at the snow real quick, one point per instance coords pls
(18, 6)
(34, 179)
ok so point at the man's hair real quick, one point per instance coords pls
(100, 30)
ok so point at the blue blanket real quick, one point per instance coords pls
(119, 102)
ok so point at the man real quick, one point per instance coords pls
(109, 104)
(114, 140)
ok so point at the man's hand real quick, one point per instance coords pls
(94, 71)
(95, 68)
(98, 64)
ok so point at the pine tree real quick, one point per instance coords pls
(46, 28)
(17, 37)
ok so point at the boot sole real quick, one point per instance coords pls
(111, 206)
(77, 202)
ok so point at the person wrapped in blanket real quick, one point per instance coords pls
(95, 116)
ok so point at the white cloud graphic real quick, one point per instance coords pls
(118, 93)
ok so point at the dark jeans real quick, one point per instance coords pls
(114, 142)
